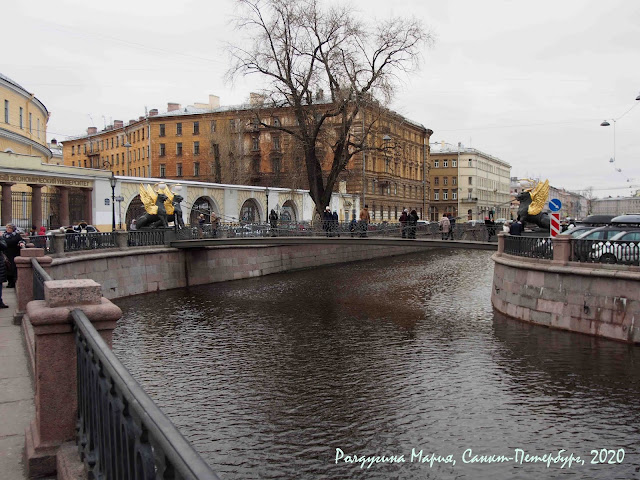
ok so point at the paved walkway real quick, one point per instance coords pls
(16, 392)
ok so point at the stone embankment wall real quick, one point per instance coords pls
(142, 270)
(600, 300)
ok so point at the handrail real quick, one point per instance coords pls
(39, 277)
(134, 430)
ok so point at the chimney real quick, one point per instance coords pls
(172, 107)
(214, 101)
(320, 94)
(131, 122)
(92, 130)
(118, 124)
(256, 99)
(54, 141)
(153, 112)
(140, 119)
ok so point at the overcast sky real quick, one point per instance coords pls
(527, 82)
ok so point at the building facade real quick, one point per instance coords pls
(23, 125)
(616, 205)
(468, 184)
(234, 145)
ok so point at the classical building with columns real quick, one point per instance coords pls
(41, 194)
(23, 124)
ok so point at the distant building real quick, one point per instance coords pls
(468, 183)
(574, 205)
(23, 124)
(615, 206)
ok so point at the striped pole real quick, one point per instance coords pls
(555, 224)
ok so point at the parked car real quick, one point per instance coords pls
(603, 247)
(622, 248)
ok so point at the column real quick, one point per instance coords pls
(88, 206)
(64, 206)
(6, 202)
(36, 205)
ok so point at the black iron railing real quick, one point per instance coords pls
(89, 241)
(603, 251)
(531, 247)
(39, 277)
(121, 433)
(142, 238)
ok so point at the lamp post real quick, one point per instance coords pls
(113, 181)
(266, 191)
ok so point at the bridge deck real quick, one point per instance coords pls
(384, 241)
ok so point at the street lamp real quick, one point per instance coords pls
(113, 181)
(266, 191)
(606, 124)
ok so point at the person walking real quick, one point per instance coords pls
(273, 222)
(413, 224)
(215, 223)
(445, 226)
(335, 223)
(327, 222)
(404, 218)
(452, 226)
(3, 269)
(14, 243)
(365, 218)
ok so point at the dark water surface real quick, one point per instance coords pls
(269, 377)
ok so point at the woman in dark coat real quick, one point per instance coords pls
(3, 270)
(14, 244)
(413, 223)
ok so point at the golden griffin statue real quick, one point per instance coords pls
(161, 206)
(532, 201)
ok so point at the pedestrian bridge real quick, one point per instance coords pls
(351, 241)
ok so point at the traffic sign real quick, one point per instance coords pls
(555, 205)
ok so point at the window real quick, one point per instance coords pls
(178, 169)
(436, 181)
(255, 144)
(73, 149)
(179, 148)
(232, 125)
(38, 128)
(196, 148)
(454, 180)
(117, 159)
(276, 144)
(470, 163)
(470, 180)
(213, 126)
(454, 195)
(454, 163)
(275, 165)
(196, 128)
(21, 114)
(196, 169)
(178, 129)
(162, 149)
(445, 181)
(143, 139)
(30, 123)
(276, 122)
(162, 130)
(436, 163)
(445, 163)
(436, 195)
(445, 194)
(163, 170)
(6, 111)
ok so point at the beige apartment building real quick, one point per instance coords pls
(468, 184)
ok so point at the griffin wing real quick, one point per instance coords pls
(539, 196)
(168, 203)
(149, 197)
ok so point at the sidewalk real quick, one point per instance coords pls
(16, 392)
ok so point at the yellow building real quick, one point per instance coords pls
(23, 125)
(228, 145)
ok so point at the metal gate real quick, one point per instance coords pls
(21, 209)
(76, 206)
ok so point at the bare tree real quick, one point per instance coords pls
(303, 50)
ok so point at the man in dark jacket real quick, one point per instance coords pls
(413, 223)
(516, 228)
(14, 243)
(335, 223)
(327, 221)
(273, 222)
(3, 269)
(404, 218)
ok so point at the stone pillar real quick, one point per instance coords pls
(561, 249)
(64, 206)
(55, 365)
(88, 206)
(122, 239)
(501, 237)
(36, 205)
(6, 202)
(58, 243)
(24, 284)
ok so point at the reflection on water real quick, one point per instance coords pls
(268, 377)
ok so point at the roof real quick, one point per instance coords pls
(24, 91)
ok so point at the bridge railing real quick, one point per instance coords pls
(606, 251)
(531, 247)
(121, 431)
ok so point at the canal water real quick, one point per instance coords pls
(390, 369)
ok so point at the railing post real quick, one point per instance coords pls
(122, 239)
(561, 249)
(55, 365)
(57, 243)
(501, 238)
(24, 284)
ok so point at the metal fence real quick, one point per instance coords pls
(121, 432)
(141, 238)
(599, 251)
(89, 241)
(531, 247)
(39, 277)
